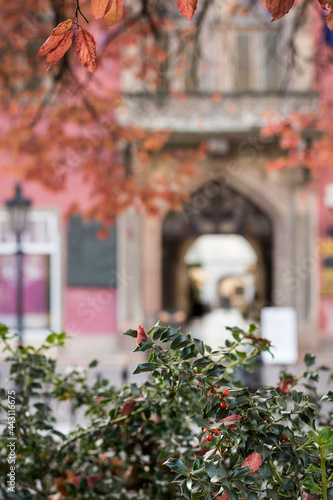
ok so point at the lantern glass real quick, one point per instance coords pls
(18, 208)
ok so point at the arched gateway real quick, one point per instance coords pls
(214, 209)
(275, 217)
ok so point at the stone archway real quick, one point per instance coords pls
(294, 273)
(213, 209)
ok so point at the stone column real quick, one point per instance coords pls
(129, 275)
(151, 269)
(306, 272)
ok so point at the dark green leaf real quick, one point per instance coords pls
(71, 489)
(200, 346)
(328, 396)
(131, 333)
(181, 341)
(309, 360)
(325, 435)
(169, 334)
(310, 485)
(252, 328)
(176, 465)
(159, 331)
(145, 367)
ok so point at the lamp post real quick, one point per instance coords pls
(18, 208)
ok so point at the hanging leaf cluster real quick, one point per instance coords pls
(112, 12)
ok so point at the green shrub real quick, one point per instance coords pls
(191, 431)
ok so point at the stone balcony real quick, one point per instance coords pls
(207, 114)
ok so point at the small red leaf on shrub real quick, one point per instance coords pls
(128, 408)
(91, 480)
(284, 386)
(253, 461)
(223, 497)
(306, 496)
(141, 334)
(231, 419)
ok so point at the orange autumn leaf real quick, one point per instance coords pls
(86, 50)
(65, 41)
(187, 7)
(62, 28)
(50, 44)
(99, 8)
(279, 8)
(216, 97)
(114, 12)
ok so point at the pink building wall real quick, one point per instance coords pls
(86, 311)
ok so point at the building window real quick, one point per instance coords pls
(41, 272)
(91, 261)
(243, 62)
(257, 60)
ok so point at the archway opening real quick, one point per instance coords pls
(217, 254)
(222, 273)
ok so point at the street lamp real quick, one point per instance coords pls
(18, 208)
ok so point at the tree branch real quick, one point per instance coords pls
(78, 10)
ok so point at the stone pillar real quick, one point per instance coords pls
(306, 272)
(129, 275)
(151, 269)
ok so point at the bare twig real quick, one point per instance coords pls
(78, 10)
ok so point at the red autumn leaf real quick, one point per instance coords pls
(231, 419)
(222, 497)
(141, 334)
(187, 7)
(86, 50)
(62, 28)
(306, 496)
(329, 21)
(65, 41)
(253, 461)
(284, 386)
(92, 480)
(98, 8)
(279, 8)
(114, 12)
(128, 408)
